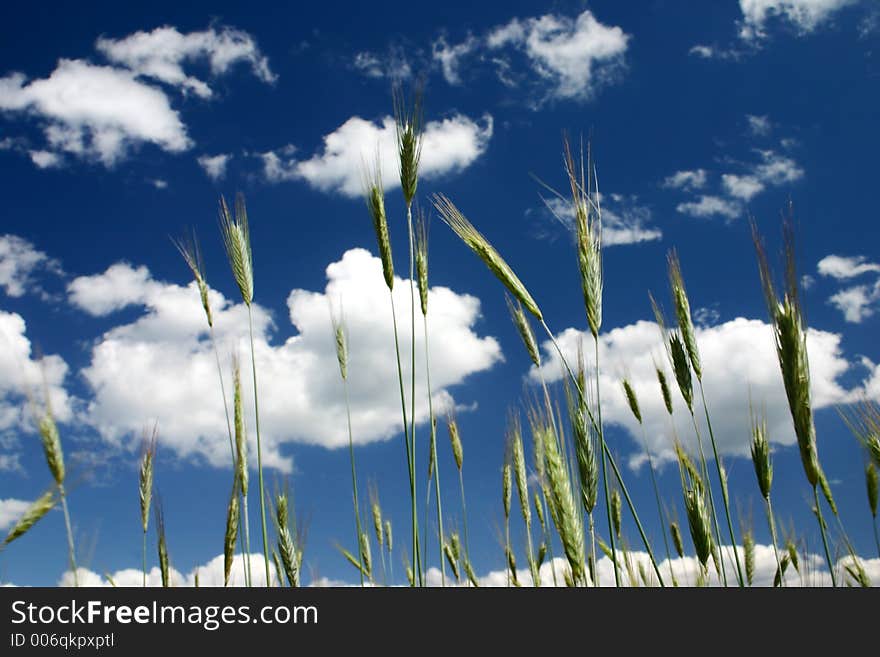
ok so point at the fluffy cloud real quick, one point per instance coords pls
(209, 574)
(624, 220)
(739, 367)
(160, 367)
(804, 15)
(95, 111)
(814, 571)
(709, 206)
(449, 145)
(214, 165)
(858, 301)
(160, 55)
(20, 262)
(575, 56)
(843, 267)
(10, 511)
(22, 375)
(687, 179)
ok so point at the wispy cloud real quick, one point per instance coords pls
(214, 166)
(857, 302)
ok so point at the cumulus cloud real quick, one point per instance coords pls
(575, 56)
(804, 15)
(97, 112)
(21, 374)
(739, 368)
(160, 367)
(20, 263)
(686, 179)
(449, 146)
(160, 55)
(856, 302)
(10, 511)
(624, 219)
(214, 165)
(708, 205)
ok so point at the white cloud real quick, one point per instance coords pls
(45, 159)
(95, 112)
(574, 55)
(393, 66)
(805, 15)
(160, 55)
(739, 367)
(814, 571)
(624, 220)
(704, 51)
(449, 56)
(709, 206)
(160, 366)
(844, 267)
(210, 574)
(857, 302)
(686, 179)
(20, 261)
(742, 187)
(10, 511)
(21, 375)
(158, 183)
(759, 126)
(449, 145)
(215, 165)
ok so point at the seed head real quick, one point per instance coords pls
(237, 240)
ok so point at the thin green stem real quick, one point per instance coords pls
(772, 522)
(604, 466)
(434, 457)
(593, 549)
(548, 539)
(354, 486)
(259, 451)
(417, 552)
(610, 456)
(876, 535)
(70, 548)
(467, 551)
(721, 481)
(247, 540)
(824, 537)
(412, 489)
(145, 559)
(659, 504)
(704, 466)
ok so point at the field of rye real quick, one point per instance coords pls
(571, 493)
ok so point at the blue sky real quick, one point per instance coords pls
(122, 127)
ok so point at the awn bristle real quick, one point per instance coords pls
(676, 539)
(761, 457)
(145, 479)
(192, 255)
(525, 330)
(588, 230)
(40, 507)
(518, 458)
(237, 240)
(455, 439)
(409, 122)
(632, 400)
(749, 551)
(871, 485)
(791, 349)
(683, 313)
(52, 447)
(375, 198)
(241, 460)
(231, 535)
(485, 251)
(664, 390)
(421, 235)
